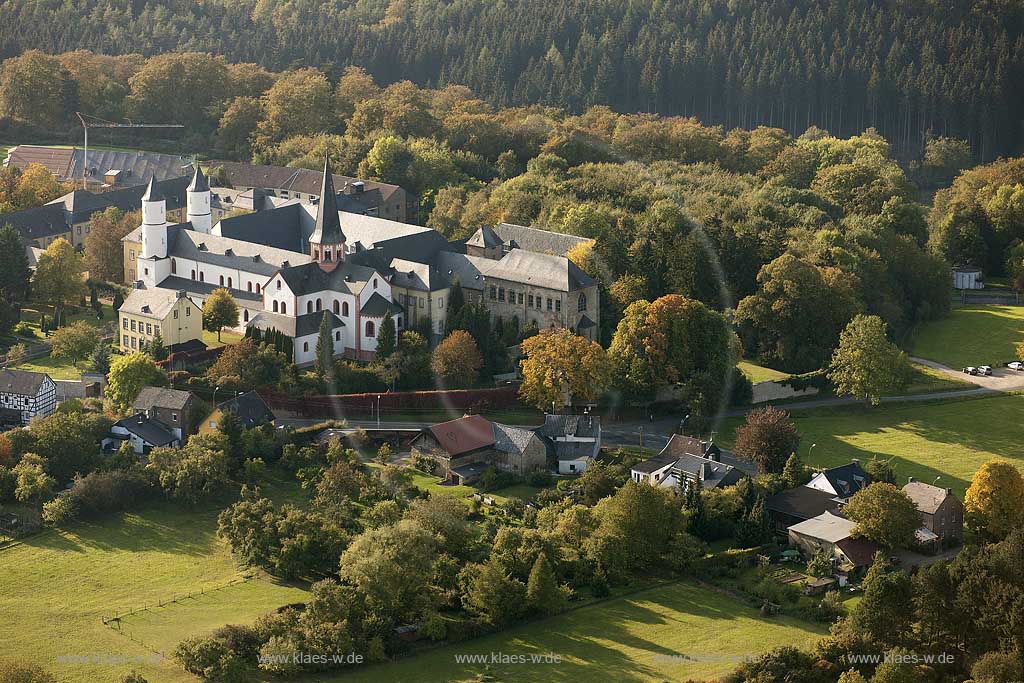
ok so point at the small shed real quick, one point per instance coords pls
(968, 277)
(818, 586)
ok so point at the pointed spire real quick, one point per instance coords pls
(199, 182)
(152, 193)
(327, 229)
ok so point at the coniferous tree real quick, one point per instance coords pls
(325, 348)
(387, 339)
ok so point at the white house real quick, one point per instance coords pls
(842, 482)
(24, 395)
(143, 433)
(575, 440)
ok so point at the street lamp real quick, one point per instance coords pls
(683, 422)
(378, 411)
(936, 479)
(810, 450)
(215, 390)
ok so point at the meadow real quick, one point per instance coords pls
(980, 334)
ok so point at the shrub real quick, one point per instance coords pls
(61, 510)
(24, 329)
(539, 478)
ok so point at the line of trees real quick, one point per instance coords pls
(904, 68)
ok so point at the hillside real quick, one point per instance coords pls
(905, 68)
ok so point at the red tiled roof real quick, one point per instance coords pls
(464, 434)
(861, 551)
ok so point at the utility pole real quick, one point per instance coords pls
(100, 123)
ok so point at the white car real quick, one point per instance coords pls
(1016, 365)
(985, 370)
(971, 370)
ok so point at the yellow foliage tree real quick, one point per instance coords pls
(993, 499)
(561, 365)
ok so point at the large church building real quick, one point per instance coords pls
(288, 266)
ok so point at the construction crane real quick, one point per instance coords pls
(97, 122)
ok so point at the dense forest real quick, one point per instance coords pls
(905, 67)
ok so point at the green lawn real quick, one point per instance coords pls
(758, 373)
(226, 337)
(641, 637)
(926, 380)
(980, 334)
(951, 439)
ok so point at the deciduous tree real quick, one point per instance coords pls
(104, 254)
(219, 311)
(128, 374)
(884, 514)
(58, 277)
(74, 342)
(768, 438)
(457, 361)
(866, 364)
(993, 499)
(561, 365)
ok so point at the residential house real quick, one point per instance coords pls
(798, 505)
(142, 432)
(171, 313)
(462, 449)
(942, 513)
(173, 408)
(251, 409)
(834, 535)
(24, 395)
(842, 482)
(685, 458)
(574, 441)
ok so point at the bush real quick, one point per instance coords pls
(101, 492)
(539, 478)
(24, 329)
(61, 510)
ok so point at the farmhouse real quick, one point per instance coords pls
(833, 534)
(842, 482)
(686, 459)
(24, 395)
(942, 513)
(171, 408)
(573, 440)
(462, 449)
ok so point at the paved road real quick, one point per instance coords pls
(1001, 379)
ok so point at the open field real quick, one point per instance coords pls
(926, 380)
(226, 337)
(641, 637)
(56, 368)
(981, 334)
(951, 439)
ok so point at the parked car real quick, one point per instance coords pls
(971, 370)
(985, 370)
(1016, 365)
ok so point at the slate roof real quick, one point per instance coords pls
(825, 527)
(161, 397)
(250, 408)
(847, 479)
(152, 193)
(206, 288)
(511, 439)
(370, 232)
(294, 326)
(419, 276)
(376, 306)
(535, 239)
(155, 303)
(485, 237)
(21, 382)
(199, 182)
(280, 227)
(543, 270)
(327, 228)
(230, 253)
(802, 502)
(152, 432)
(926, 498)
(468, 269)
(463, 435)
(710, 473)
(580, 426)
(310, 278)
(656, 463)
(302, 180)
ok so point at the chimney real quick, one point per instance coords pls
(949, 492)
(855, 461)
(911, 480)
(181, 294)
(138, 284)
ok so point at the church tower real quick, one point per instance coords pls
(327, 243)
(154, 222)
(199, 203)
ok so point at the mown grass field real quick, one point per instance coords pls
(951, 439)
(759, 373)
(636, 638)
(979, 334)
(926, 380)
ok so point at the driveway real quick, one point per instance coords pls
(1001, 379)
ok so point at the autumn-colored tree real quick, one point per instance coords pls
(219, 311)
(884, 514)
(768, 437)
(299, 102)
(993, 499)
(456, 360)
(561, 365)
(36, 187)
(32, 88)
(866, 364)
(104, 256)
(58, 277)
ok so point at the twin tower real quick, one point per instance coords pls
(154, 214)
